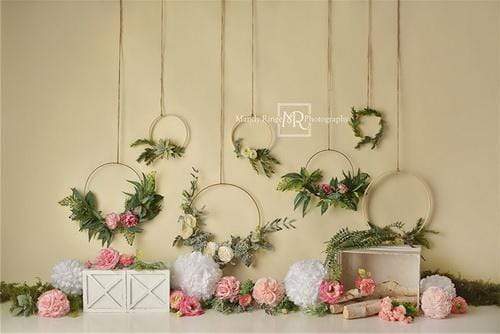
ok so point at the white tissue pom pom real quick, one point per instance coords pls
(303, 280)
(196, 275)
(67, 276)
(439, 281)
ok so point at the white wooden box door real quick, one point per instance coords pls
(104, 291)
(148, 291)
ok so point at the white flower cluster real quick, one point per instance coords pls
(224, 253)
(67, 276)
(303, 280)
(249, 153)
(196, 275)
(188, 225)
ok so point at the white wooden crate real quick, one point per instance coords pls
(392, 263)
(126, 290)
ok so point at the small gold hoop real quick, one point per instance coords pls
(95, 170)
(234, 186)
(244, 119)
(351, 165)
(180, 118)
(383, 176)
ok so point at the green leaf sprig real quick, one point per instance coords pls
(158, 149)
(261, 159)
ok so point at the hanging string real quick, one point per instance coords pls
(162, 59)
(330, 72)
(118, 107)
(398, 80)
(253, 59)
(369, 59)
(222, 91)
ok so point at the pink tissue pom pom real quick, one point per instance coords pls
(436, 303)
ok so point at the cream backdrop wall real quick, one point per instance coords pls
(59, 109)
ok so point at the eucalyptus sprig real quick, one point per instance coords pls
(393, 234)
(145, 203)
(355, 123)
(344, 193)
(261, 159)
(158, 149)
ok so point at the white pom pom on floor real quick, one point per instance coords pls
(303, 280)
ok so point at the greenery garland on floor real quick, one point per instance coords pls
(355, 123)
(261, 159)
(393, 234)
(24, 297)
(158, 149)
(140, 207)
(344, 193)
(475, 292)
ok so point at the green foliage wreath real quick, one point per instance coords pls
(355, 122)
(144, 203)
(261, 159)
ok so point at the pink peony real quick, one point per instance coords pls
(366, 286)
(107, 259)
(436, 303)
(228, 288)
(175, 299)
(268, 291)
(53, 304)
(342, 188)
(327, 189)
(128, 219)
(245, 300)
(126, 260)
(112, 220)
(190, 306)
(330, 291)
(459, 305)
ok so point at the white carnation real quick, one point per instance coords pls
(67, 276)
(225, 254)
(196, 275)
(439, 281)
(303, 280)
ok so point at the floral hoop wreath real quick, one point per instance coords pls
(355, 122)
(380, 178)
(344, 193)
(162, 148)
(140, 207)
(231, 251)
(261, 159)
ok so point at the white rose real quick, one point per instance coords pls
(189, 220)
(255, 237)
(225, 254)
(211, 248)
(186, 231)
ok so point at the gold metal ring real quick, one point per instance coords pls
(244, 119)
(383, 176)
(95, 170)
(333, 151)
(180, 118)
(234, 186)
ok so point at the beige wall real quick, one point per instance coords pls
(58, 119)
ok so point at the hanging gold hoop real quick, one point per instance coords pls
(380, 178)
(244, 119)
(183, 121)
(237, 187)
(343, 155)
(95, 170)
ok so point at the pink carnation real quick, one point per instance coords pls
(436, 303)
(386, 304)
(112, 220)
(268, 291)
(388, 313)
(175, 299)
(327, 189)
(190, 306)
(330, 291)
(227, 288)
(128, 219)
(245, 300)
(126, 260)
(106, 259)
(53, 304)
(459, 305)
(365, 285)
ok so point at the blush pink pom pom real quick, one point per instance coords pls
(459, 305)
(330, 291)
(53, 304)
(106, 259)
(268, 291)
(228, 288)
(436, 303)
